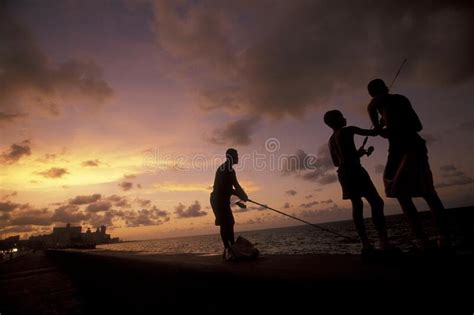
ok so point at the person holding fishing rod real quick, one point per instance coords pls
(407, 172)
(226, 185)
(354, 179)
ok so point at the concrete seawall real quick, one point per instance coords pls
(126, 282)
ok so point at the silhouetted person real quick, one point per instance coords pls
(407, 172)
(226, 185)
(354, 179)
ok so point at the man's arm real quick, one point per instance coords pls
(238, 191)
(363, 132)
(374, 115)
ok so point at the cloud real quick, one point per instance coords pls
(281, 58)
(453, 177)
(29, 81)
(32, 217)
(16, 152)
(329, 214)
(54, 172)
(448, 168)
(91, 163)
(119, 201)
(286, 205)
(69, 214)
(308, 196)
(99, 206)
(143, 202)
(84, 199)
(310, 167)
(327, 201)
(379, 168)
(126, 185)
(97, 212)
(291, 192)
(7, 206)
(8, 196)
(192, 211)
(48, 157)
(252, 221)
(307, 205)
(129, 176)
(145, 217)
(8, 118)
(176, 187)
(237, 132)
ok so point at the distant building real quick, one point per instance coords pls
(64, 236)
(72, 236)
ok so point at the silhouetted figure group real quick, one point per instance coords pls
(407, 172)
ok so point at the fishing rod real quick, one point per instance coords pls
(242, 205)
(389, 88)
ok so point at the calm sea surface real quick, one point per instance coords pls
(291, 240)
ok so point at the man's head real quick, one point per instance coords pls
(334, 119)
(377, 87)
(232, 156)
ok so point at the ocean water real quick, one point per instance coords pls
(302, 239)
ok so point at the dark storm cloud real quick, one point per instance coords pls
(237, 132)
(192, 211)
(280, 58)
(91, 163)
(84, 199)
(28, 80)
(54, 172)
(291, 192)
(452, 176)
(16, 152)
(126, 185)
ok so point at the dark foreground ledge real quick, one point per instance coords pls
(127, 282)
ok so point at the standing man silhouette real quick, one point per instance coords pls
(407, 172)
(226, 185)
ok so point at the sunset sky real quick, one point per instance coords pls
(117, 112)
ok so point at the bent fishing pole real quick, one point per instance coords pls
(389, 88)
(242, 205)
